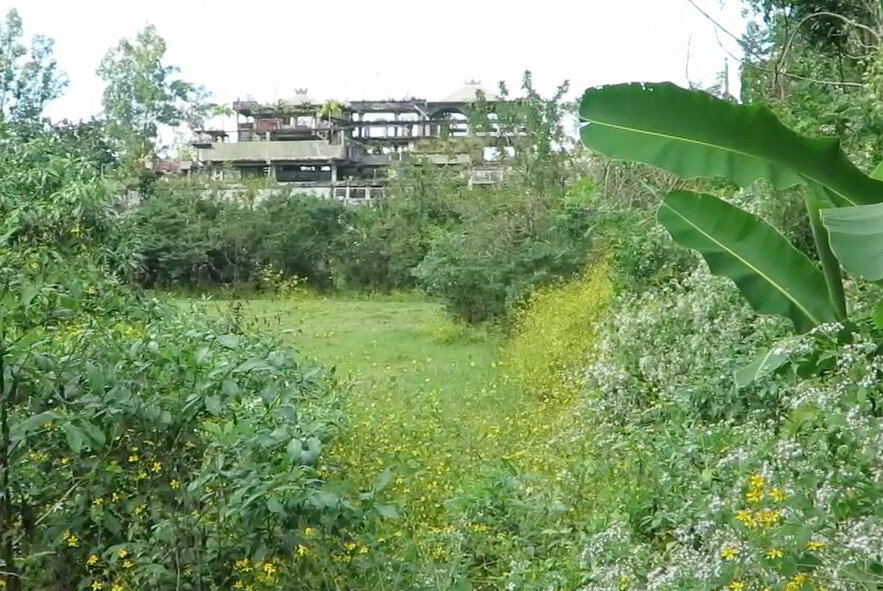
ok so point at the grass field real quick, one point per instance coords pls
(476, 468)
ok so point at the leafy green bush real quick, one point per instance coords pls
(193, 237)
(707, 486)
(504, 244)
(141, 446)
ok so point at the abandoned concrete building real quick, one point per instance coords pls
(345, 150)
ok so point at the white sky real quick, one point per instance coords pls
(352, 49)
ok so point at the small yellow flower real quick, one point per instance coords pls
(754, 496)
(729, 553)
(156, 467)
(97, 585)
(175, 484)
(117, 587)
(309, 532)
(815, 546)
(774, 553)
(97, 502)
(73, 541)
(757, 482)
(777, 494)
(239, 585)
(302, 550)
(92, 560)
(122, 552)
(128, 563)
(269, 568)
(242, 565)
(134, 458)
(115, 497)
(737, 586)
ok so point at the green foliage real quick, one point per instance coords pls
(141, 446)
(29, 78)
(143, 94)
(703, 136)
(193, 237)
(714, 487)
(505, 243)
(774, 277)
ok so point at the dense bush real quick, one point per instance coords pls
(194, 237)
(504, 244)
(708, 486)
(141, 445)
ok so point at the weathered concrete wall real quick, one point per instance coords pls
(300, 151)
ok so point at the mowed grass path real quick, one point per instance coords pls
(429, 401)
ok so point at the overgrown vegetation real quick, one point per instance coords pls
(571, 400)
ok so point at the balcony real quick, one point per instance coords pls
(268, 152)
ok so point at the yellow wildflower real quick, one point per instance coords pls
(122, 552)
(117, 587)
(268, 568)
(309, 532)
(175, 484)
(156, 467)
(242, 565)
(754, 496)
(815, 546)
(777, 494)
(774, 553)
(134, 458)
(757, 482)
(302, 550)
(729, 553)
(73, 541)
(92, 560)
(97, 585)
(737, 586)
(128, 563)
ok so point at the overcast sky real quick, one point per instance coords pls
(384, 48)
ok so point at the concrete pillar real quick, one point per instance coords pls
(333, 174)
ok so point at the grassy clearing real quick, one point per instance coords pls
(482, 473)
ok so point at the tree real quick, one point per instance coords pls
(144, 93)
(29, 78)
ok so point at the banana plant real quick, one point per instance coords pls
(693, 134)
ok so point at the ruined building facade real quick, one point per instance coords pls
(345, 150)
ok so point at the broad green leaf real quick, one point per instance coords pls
(693, 134)
(877, 173)
(765, 363)
(774, 277)
(387, 511)
(856, 235)
(213, 405)
(75, 437)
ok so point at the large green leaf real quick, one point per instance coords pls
(774, 277)
(694, 134)
(856, 235)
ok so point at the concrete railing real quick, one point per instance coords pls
(266, 152)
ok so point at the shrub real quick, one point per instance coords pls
(504, 244)
(141, 446)
(554, 334)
